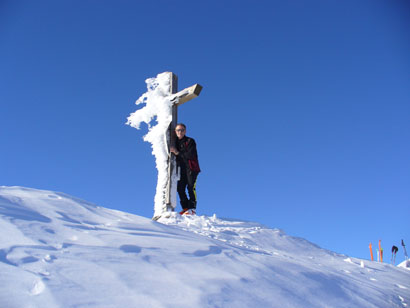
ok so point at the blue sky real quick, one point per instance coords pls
(303, 122)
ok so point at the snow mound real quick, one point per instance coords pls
(60, 251)
(405, 264)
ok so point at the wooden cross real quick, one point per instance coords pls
(178, 98)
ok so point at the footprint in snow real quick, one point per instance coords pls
(213, 250)
(51, 231)
(130, 249)
(28, 259)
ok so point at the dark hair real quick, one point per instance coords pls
(181, 124)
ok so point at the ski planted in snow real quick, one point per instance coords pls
(405, 251)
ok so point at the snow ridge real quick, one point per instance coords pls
(60, 251)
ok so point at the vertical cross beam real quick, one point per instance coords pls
(174, 90)
(171, 141)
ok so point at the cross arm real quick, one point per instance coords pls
(186, 94)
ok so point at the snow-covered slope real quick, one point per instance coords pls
(405, 264)
(59, 251)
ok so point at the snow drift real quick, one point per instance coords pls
(59, 251)
(405, 264)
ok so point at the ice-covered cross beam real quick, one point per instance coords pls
(161, 115)
(186, 94)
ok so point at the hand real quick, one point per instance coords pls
(174, 150)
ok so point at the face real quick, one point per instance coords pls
(180, 131)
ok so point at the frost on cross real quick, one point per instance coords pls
(158, 108)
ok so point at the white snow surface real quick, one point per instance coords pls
(60, 251)
(405, 264)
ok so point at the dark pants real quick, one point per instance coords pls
(187, 181)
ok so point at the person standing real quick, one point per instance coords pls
(187, 159)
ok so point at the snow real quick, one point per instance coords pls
(59, 251)
(158, 108)
(405, 264)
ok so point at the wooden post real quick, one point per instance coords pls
(171, 141)
(174, 89)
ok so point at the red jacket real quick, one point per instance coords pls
(188, 156)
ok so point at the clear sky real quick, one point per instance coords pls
(303, 123)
